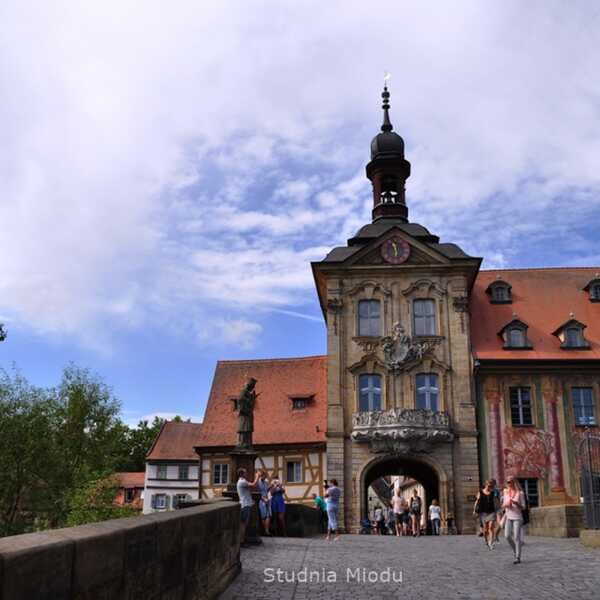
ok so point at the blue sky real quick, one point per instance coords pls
(168, 173)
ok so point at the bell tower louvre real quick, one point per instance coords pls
(388, 169)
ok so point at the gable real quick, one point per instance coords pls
(420, 253)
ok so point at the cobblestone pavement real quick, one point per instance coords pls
(445, 567)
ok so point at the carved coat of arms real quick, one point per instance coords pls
(400, 349)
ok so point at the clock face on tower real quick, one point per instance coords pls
(395, 250)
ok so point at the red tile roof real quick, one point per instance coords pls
(544, 299)
(131, 480)
(176, 441)
(278, 380)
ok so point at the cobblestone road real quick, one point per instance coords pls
(445, 567)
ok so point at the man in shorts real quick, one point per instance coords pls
(246, 501)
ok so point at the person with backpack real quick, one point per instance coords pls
(514, 504)
(415, 513)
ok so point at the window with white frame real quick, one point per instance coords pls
(520, 406)
(427, 391)
(369, 323)
(161, 471)
(595, 292)
(161, 501)
(220, 473)
(369, 392)
(184, 471)
(584, 408)
(294, 471)
(424, 317)
(129, 495)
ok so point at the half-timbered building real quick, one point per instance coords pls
(290, 422)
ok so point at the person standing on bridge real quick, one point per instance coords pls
(398, 508)
(513, 502)
(264, 505)
(321, 506)
(435, 517)
(416, 508)
(332, 496)
(246, 501)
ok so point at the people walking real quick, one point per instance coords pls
(416, 505)
(486, 507)
(406, 520)
(435, 517)
(379, 519)
(332, 497)
(398, 509)
(247, 503)
(513, 502)
(278, 505)
(264, 504)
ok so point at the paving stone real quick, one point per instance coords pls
(449, 567)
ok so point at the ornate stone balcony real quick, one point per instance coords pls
(402, 429)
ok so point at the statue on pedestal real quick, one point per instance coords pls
(246, 403)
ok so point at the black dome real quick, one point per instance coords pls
(387, 144)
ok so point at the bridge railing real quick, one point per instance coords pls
(192, 553)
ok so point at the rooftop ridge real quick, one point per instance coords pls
(270, 360)
(540, 269)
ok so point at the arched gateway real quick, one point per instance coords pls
(399, 365)
(422, 469)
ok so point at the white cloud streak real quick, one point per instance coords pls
(182, 164)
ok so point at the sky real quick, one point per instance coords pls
(169, 170)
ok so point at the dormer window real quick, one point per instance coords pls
(571, 336)
(300, 402)
(499, 292)
(515, 336)
(593, 287)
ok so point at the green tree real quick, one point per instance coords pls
(95, 501)
(27, 426)
(137, 443)
(52, 443)
(88, 438)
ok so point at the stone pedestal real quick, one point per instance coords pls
(556, 521)
(590, 538)
(245, 459)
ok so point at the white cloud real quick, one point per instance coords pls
(180, 164)
(169, 416)
(236, 332)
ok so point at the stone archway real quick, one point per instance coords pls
(422, 468)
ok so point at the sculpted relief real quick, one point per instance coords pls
(400, 349)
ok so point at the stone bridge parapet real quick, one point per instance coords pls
(191, 553)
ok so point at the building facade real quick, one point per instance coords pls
(435, 371)
(130, 491)
(172, 467)
(290, 420)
